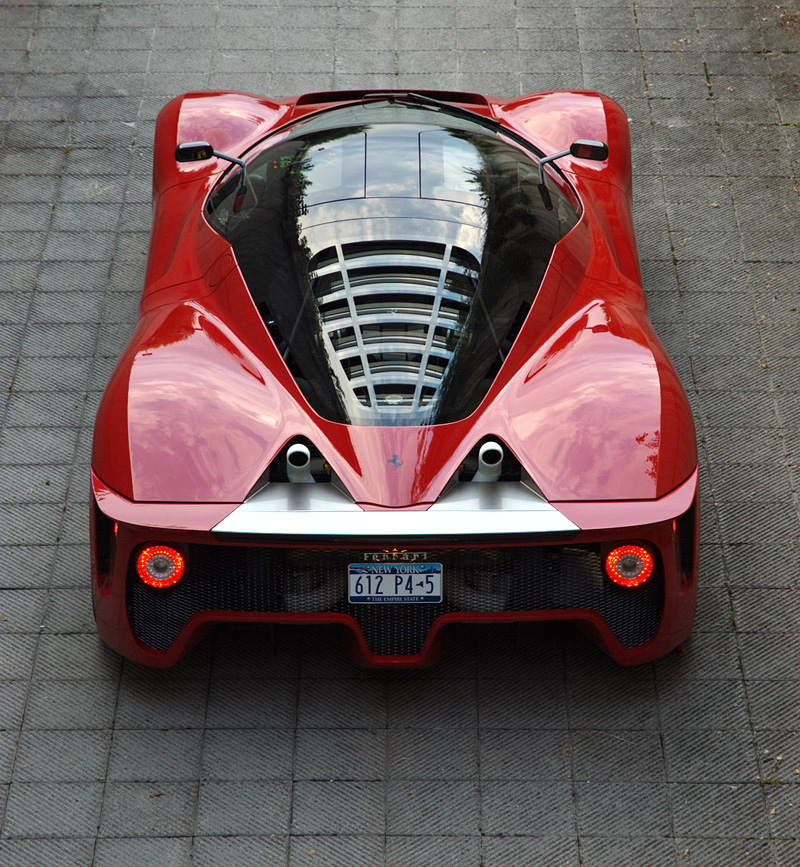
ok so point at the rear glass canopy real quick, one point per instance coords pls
(393, 252)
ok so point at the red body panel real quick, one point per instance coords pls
(201, 402)
(603, 522)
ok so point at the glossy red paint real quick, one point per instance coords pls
(187, 378)
(201, 402)
(601, 522)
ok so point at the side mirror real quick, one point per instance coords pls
(193, 151)
(583, 149)
(589, 150)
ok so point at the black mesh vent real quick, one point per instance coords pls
(244, 578)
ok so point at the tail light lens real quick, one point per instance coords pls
(629, 565)
(160, 566)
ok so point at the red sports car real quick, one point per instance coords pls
(393, 370)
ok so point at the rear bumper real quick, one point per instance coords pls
(302, 579)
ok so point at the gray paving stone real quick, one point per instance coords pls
(525, 755)
(243, 808)
(8, 747)
(95, 188)
(452, 850)
(740, 411)
(77, 852)
(718, 810)
(695, 755)
(195, 666)
(786, 851)
(617, 756)
(525, 808)
(356, 703)
(618, 699)
(26, 445)
(75, 657)
(22, 611)
(769, 610)
(782, 802)
(340, 754)
(322, 808)
(71, 704)
(45, 408)
(334, 850)
(770, 655)
(157, 704)
(62, 756)
(75, 520)
(580, 654)
(772, 522)
(705, 656)
(153, 809)
(161, 754)
(39, 374)
(87, 276)
(69, 565)
(501, 851)
(27, 484)
(16, 656)
(514, 705)
(260, 652)
(249, 754)
(432, 754)
(52, 810)
(13, 695)
(778, 756)
(633, 850)
(258, 704)
(164, 851)
(432, 704)
(69, 611)
(239, 851)
(433, 807)
(623, 810)
(130, 15)
(519, 652)
(720, 852)
(736, 483)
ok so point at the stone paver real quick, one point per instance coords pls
(524, 746)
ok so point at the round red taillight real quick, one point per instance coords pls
(160, 566)
(629, 565)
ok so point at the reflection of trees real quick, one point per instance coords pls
(519, 240)
(652, 442)
(179, 324)
(274, 257)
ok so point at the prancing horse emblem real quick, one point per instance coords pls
(395, 461)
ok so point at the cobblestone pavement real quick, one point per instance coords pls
(524, 747)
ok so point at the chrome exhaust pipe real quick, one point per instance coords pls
(490, 462)
(298, 464)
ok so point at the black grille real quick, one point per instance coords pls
(246, 578)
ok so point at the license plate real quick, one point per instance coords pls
(369, 583)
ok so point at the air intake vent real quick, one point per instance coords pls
(392, 315)
(352, 95)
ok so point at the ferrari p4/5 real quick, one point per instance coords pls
(393, 370)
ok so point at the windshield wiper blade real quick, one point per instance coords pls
(448, 108)
(410, 97)
(481, 119)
